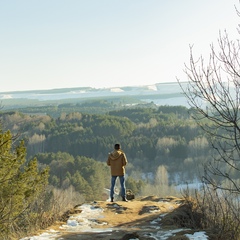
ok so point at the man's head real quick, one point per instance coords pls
(117, 146)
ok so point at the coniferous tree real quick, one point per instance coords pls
(20, 182)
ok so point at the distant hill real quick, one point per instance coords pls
(159, 93)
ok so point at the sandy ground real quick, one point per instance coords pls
(138, 219)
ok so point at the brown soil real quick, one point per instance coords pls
(136, 219)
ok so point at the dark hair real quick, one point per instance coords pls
(117, 146)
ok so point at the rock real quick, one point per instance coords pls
(129, 194)
(130, 236)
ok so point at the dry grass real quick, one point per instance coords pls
(220, 213)
(51, 208)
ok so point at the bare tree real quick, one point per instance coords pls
(213, 92)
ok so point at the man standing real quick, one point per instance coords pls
(117, 161)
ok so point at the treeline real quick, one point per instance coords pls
(54, 108)
(88, 176)
(150, 137)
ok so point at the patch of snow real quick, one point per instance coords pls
(152, 87)
(72, 223)
(164, 235)
(116, 90)
(44, 236)
(77, 92)
(85, 220)
(158, 220)
(6, 96)
(197, 236)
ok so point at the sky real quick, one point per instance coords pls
(49, 44)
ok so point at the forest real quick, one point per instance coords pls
(75, 145)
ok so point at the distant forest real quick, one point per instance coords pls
(75, 144)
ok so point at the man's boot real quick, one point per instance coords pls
(111, 199)
(124, 199)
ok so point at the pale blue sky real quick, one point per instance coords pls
(46, 44)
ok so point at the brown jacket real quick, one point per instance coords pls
(117, 161)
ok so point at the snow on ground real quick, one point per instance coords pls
(51, 234)
(164, 235)
(197, 236)
(116, 90)
(86, 220)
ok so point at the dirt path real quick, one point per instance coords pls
(140, 219)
